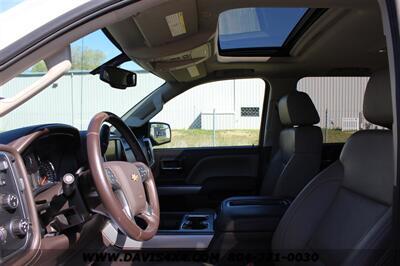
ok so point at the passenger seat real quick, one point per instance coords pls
(298, 158)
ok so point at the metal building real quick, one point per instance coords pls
(233, 104)
(338, 100)
(230, 104)
(73, 99)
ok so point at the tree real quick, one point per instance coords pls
(86, 59)
(39, 67)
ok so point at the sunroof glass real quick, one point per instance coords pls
(257, 27)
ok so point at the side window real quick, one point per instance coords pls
(222, 113)
(339, 101)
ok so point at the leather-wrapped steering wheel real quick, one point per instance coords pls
(127, 190)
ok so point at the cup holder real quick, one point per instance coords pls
(198, 222)
(194, 226)
(197, 219)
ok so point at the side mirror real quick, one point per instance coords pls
(117, 77)
(160, 133)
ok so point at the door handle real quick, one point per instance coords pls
(178, 168)
(171, 165)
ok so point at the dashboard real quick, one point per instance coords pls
(62, 150)
(32, 157)
(36, 216)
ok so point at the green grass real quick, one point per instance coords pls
(204, 138)
(336, 135)
(239, 137)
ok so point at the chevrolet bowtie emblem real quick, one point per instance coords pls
(135, 177)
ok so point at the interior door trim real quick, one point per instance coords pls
(178, 190)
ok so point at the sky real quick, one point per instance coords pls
(6, 4)
(96, 40)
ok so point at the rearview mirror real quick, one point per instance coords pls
(160, 133)
(117, 77)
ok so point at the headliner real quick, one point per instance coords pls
(347, 39)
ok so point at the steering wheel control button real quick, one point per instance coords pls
(19, 227)
(9, 202)
(110, 175)
(142, 172)
(3, 235)
(112, 179)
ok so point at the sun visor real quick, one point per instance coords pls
(170, 21)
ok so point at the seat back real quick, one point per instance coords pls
(298, 158)
(344, 214)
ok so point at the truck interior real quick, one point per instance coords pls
(289, 198)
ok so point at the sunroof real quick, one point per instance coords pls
(250, 28)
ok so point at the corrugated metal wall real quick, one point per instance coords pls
(196, 107)
(336, 98)
(73, 99)
(76, 97)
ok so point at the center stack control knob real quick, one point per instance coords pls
(19, 227)
(9, 201)
(3, 235)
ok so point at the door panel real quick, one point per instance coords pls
(212, 154)
(193, 178)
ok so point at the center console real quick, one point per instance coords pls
(243, 223)
(246, 224)
(177, 230)
(251, 214)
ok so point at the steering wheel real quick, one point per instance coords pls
(127, 190)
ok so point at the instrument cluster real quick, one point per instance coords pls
(41, 171)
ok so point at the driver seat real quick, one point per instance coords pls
(344, 215)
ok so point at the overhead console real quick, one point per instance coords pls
(185, 66)
(167, 39)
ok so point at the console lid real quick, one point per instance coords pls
(251, 213)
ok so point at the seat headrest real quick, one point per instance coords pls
(378, 100)
(297, 109)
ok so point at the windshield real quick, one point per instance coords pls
(78, 95)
